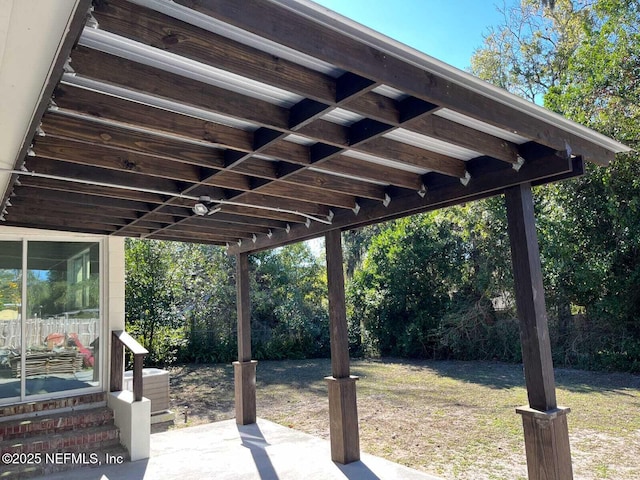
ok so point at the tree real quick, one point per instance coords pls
(151, 289)
(589, 227)
(529, 52)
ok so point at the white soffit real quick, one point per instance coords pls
(31, 33)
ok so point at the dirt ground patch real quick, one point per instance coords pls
(456, 420)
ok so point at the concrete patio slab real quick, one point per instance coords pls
(225, 451)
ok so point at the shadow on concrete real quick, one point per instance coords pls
(253, 439)
(357, 471)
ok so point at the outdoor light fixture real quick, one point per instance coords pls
(356, 209)
(466, 179)
(520, 161)
(423, 191)
(200, 209)
(387, 200)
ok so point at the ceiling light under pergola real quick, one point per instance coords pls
(200, 209)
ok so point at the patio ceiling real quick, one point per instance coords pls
(279, 119)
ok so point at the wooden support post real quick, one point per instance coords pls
(116, 370)
(343, 410)
(545, 425)
(244, 369)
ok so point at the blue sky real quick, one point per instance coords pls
(449, 30)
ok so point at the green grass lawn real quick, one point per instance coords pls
(452, 419)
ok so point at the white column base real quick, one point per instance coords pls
(134, 421)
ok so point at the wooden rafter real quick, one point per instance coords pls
(282, 133)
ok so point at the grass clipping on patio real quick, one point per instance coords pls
(456, 420)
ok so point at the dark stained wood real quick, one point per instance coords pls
(119, 340)
(245, 391)
(48, 223)
(275, 201)
(343, 412)
(129, 74)
(94, 104)
(339, 49)
(99, 137)
(492, 181)
(378, 173)
(46, 196)
(546, 439)
(309, 193)
(116, 369)
(343, 420)
(211, 223)
(138, 362)
(334, 183)
(289, 152)
(51, 222)
(187, 91)
(102, 175)
(42, 202)
(243, 307)
(65, 127)
(460, 135)
(527, 275)
(337, 307)
(418, 157)
(182, 236)
(244, 368)
(115, 159)
(172, 35)
(59, 213)
(78, 188)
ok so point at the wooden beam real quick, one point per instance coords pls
(78, 188)
(545, 425)
(90, 132)
(102, 175)
(341, 50)
(355, 167)
(243, 307)
(139, 77)
(343, 411)
(527, 274)
(172, 35)
(110, 206)
(69, 99)
(136, 76)
(491, 182)
(244, 368)
(115, 159)
(337, 305)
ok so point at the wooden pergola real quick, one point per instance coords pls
(258, 123)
